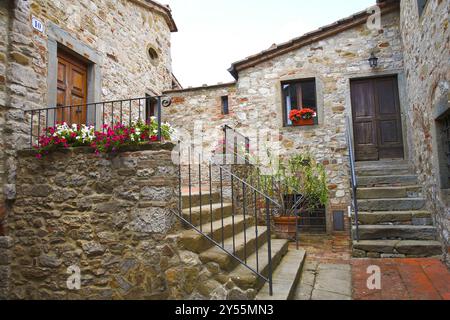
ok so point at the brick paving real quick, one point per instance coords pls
(401, 279)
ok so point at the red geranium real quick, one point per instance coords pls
(303, 114)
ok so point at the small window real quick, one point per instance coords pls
(152, 54)
(421, 4)
(298, 95)
(225, 109)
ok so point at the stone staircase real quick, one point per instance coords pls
(393, 220)
(250, 244)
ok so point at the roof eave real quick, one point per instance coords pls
(386, 6)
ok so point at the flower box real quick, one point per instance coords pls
(303, 122)
(302, 117)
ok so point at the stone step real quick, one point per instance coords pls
(382, 163)
(196, 242)
(417, 218)
(195, 198)
(387, 180)
(389, 192)
(246, 279)
(385, 248)
(285, 277)
(196, 219)
(245, 245)
(392, 232)
(384, 169)
(391, 204)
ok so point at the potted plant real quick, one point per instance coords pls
(305, 191)
(303, 117)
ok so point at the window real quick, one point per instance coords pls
(421, 4)
(225, 109)
(298, 94)
(444, 150)
(152, 54)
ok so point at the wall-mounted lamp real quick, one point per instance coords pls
(373, 60)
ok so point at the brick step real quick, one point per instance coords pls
(391, 204)
(389, 192)
(392, 248)
(395, 232)
(243, 248)
(194, 215)
(387, 180)
(285, 277)
(417, 218)
(196, 242)
(195, 198)
(246, 279)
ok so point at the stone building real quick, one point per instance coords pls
(380, 76)
(68, 52)
(98, 50)
(396, 110)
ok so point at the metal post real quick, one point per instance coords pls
(159, 119)
(269, 245)
(224, 148)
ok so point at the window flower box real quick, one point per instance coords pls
(303, 117)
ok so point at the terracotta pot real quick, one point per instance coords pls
(303, 122)
(285, 227)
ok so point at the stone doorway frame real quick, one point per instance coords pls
(60, 39)
(401, 82)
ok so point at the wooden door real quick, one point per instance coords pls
(377, 124)
(72, 89)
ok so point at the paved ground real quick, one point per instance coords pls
(403, 279)
(327, 270)
(331, 273)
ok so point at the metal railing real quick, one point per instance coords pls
(96, 114)
(353, 180)
(254, 212)
(291, 199)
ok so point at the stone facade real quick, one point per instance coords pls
(5, 268)
(111, 217)
(255, 100)
(107, 216)
(426, 41)
(4, 22)
(113, 38)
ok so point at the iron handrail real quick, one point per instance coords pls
(269, 202)
(96, 114)
(299, 200)
(354, 180)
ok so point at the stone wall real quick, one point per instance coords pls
(108, 216)
(114, 36)
(4, 43)
(111, 217)
(256, 103)
(5, 269)
(426, 42)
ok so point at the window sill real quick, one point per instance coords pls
(302, 128)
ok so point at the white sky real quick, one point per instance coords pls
(215, 33)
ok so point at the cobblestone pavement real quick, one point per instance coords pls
(330, 273)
